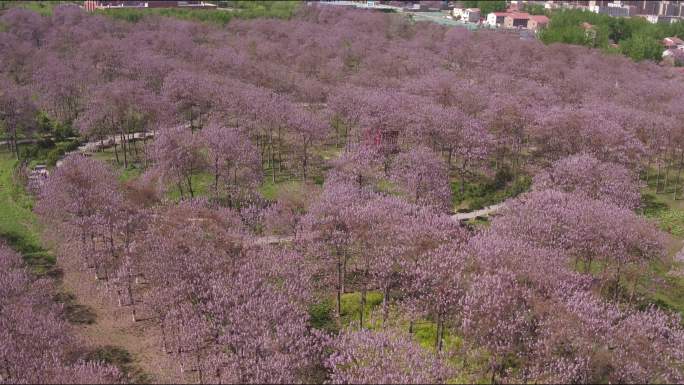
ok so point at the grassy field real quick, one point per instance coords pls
(669, 214)
(42, 7)
(482, 192)
(230, 10)
(221, 16)
(18, 225)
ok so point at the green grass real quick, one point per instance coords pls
(351, 305)
(74, 312)
(122, 359)
(668, 293)
(483, 191)
(425, 333)
(46, 151)
(270, 191)
(666, 211)
(221, 16)
(18, 225)
(135, 166)
(44, 8)
(322, 313)
(201, 186)
(478, 222)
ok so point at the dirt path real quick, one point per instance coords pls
(114, 326)
(477, 213)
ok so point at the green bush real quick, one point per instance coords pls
(122, 359)
(636, 37)
(321, 316)
(74, 312)
(46, 151)
(53, 156)
(489, 192)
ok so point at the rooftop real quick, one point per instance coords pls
(540, 18)
(519, 15)
(674, 40)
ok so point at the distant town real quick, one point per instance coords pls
(515, 17)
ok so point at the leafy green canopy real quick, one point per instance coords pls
(635, 37)
(486, 6)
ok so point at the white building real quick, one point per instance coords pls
(496, 19)
(470, 15)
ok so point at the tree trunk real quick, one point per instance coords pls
(306, 159)
(439, 322)
(16, 144)
(135, 146)
(271, 157)
(123, 147)
(339, 287)
(363, 299)
(280, 152)
(617, 282)
(216, 176)
(385, 305)
(116, 153)
(189, 179)
(144, 148)
(462, 184)
(667, 169)
(679, 173)
(344, 270)
(658, 177)
(163, 336)
(199, 368)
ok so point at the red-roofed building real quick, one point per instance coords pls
(516, 20)
(673, 42)
(537, 22)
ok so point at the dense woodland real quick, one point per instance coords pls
(370, 126)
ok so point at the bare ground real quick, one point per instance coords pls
(114, 326)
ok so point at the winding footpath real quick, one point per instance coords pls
(486, 211)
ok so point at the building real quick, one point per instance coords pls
(516, 20)
(657, 8)
(537, 22)
(496, 19)
(673, 42)
(470, 15)
(93, 5)
(662, 19)
(615, 9)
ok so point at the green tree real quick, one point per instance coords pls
(486, 7)
(535, 9)
(640, 47)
